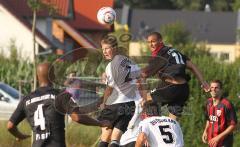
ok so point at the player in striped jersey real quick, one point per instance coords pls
(221, 118)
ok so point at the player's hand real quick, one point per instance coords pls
(102, 106)
(214, 142)
(146, 144)
(204, 137)
(105, 123)
(130, 126)
(205, 86)
(22, 137)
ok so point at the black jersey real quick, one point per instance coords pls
(45, 120)
(169, 63)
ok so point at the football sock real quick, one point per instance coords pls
(114, 143)
(103, 144)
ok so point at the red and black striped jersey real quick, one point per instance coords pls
(220, 117)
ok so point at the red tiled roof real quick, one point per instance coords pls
(22, 8)
(85, 14)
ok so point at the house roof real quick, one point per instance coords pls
(15, 14)
(78, 37)
(85, 14)
(214, 27)
(61, 8)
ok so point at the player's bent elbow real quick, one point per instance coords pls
(10, 126)
(75, 117)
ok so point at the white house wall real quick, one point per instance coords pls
(218, 49)
(12, 28)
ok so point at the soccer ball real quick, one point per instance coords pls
(106, 16)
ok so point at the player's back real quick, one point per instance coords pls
(162, 131)
(46, 122)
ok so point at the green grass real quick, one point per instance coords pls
(76, 135)
(7, 140)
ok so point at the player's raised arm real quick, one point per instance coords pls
(194, 69)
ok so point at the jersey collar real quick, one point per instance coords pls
(155, 52)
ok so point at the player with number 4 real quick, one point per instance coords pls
(44, 110)
(170, 65)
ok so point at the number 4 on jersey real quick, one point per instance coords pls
(39, 119)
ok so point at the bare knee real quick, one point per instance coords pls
(106, 134)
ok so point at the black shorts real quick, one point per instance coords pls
(174, 95)
(228, 141)
(118, 114)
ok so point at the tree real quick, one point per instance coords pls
(37, 5)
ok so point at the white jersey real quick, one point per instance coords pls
(119, 74)
(162, 132)
(132, 132)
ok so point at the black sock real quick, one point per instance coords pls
(103, 144)
(114, 143)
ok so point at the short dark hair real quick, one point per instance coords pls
(218, 81)
(159, 36)
(109, 39)
(152, 108)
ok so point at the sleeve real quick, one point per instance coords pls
(19, 114)
(231, 115)
(135, 72)
(65, 104)
(143, 128)
(206, 111)
(110, 76)
(185, 58)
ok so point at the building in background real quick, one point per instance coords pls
(217, 29)
(72, 25)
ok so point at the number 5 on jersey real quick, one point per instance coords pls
(167, 134)
(39, 119)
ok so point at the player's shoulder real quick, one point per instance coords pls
(226, 102)
(209, 101)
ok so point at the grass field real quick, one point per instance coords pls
(76, 135)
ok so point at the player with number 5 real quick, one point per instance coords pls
(158, 131)
(170, 65)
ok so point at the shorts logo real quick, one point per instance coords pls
(152, 91)
(219, 112)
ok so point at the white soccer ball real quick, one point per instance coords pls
(106, 15)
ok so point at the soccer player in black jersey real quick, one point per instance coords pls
(44, 110)
(170, 65)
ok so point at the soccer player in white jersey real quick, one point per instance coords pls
(158, 131)
(121, 92)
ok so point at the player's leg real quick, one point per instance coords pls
(105, 137)
(179, 93)
(126, 112)
(112, 114)
(115, 137)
